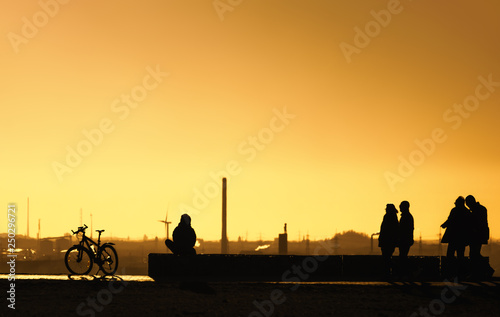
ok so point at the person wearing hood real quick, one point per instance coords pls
(388, 237)
(480, 232)
(184, 238)
(457, 233)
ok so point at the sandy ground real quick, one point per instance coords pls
(115, 298)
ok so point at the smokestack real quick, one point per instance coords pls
(223, 241)
(28, 220)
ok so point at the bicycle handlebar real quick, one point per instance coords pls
(80, 229)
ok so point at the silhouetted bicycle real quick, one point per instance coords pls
(80, 258)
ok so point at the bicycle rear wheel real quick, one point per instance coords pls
(78, 260)
(108, 259)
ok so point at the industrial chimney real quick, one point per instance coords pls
(223, 241)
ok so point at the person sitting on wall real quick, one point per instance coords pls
(184, 238)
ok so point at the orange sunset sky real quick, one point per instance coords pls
(318, 112)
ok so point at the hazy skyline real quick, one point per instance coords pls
(318, 113)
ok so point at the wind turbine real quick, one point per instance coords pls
(167, 223)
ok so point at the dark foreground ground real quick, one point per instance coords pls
(116, 298)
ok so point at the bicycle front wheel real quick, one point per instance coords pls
(108, 259)
(78, 260)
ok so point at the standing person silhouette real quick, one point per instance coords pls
(405, 233)
(457, 234)
(388, 237)
(184, 238)
(480, 234)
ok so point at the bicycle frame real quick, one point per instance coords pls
(86, 241)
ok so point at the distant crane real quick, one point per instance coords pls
(439, 243)
(167, 223)
(371, 241)
(28, 222)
